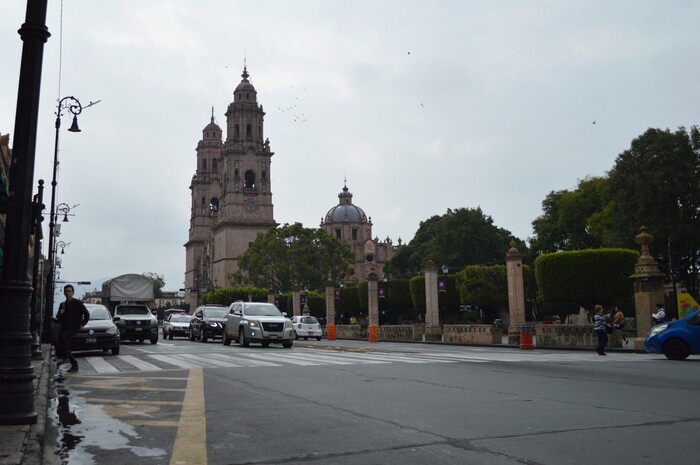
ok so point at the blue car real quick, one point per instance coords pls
(676, 339)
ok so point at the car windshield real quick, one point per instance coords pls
(309, 320)
(180, 318)
(99, 313)
(133, 310)
(215, 312)
(262, 310)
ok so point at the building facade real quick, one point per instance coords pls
(348, 223)
(231, 193)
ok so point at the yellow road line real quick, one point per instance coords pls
(190, 447)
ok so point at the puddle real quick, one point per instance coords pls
(83, 430)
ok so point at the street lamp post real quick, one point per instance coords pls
(73, 105)
(16, 369)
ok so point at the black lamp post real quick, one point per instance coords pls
(16, 369)
(73, 105)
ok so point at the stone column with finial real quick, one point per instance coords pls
(433, 330)
(296, 302)
(373, 305)
(516, 293)
(648, 286)
(330, 308)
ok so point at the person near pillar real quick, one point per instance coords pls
(72, 316)
(619, 323)
(599, 328)
(660, 315)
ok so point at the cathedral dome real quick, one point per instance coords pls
(245, 85)
(345, 210)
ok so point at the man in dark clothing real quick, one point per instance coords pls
(72, 316)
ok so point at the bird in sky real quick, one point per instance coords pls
(593, 121)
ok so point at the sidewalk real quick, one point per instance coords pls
(23, 445)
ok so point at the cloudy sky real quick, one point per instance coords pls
(421, 105)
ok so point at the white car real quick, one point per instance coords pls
(306, 327)
(176, 324)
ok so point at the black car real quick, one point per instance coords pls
(100, 333)
(207, 322)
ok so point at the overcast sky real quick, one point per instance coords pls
(421, 105)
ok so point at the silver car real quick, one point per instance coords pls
(248, 322)
(176, 324)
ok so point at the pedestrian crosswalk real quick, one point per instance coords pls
(308, 358)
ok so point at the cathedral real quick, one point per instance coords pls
(232, 202)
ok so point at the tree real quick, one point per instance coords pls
(460, 237)
(573, 220)
(158, 283)
(293, 257)
(656, 183)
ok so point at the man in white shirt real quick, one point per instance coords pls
(660, 315)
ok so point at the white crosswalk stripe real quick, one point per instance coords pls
(250, 358)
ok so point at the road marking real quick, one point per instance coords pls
(191, 437)
(101, 365)
(209, 360)
(140, 364)
(244, 361)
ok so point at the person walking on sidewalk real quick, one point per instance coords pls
(619, 323)
(599, 328)
(72, 316)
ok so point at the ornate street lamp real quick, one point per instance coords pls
(72, 105)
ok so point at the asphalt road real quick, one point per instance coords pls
(351, 402)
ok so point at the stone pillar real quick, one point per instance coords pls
(648, 287)
(373, 305)
(330, 310)
(305, 311)
(270, 296)
(433, 330)
(516, 294)
(296, 302)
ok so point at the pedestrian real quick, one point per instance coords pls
(619, 323)
(660, 315)
(72, 316)
(599, 328)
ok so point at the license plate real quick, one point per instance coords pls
(139, 329)
(273, 336)
(91, 341)
(310, 332)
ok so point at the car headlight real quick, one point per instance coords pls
(253, 324)
(213, 324)
(657, 329)
(112, 330)
(288, 324)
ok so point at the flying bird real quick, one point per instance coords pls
(593, 121)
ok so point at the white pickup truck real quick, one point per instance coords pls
(261, 322)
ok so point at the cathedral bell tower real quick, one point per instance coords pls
(231, 193)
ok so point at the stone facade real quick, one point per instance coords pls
(349, 223)
(231, 194)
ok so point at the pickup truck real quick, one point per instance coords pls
(261, 322)
(136, 322)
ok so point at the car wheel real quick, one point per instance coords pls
(115, 350)
(141, 341)
(318, 338)
(676, 349)
(224, 339)
(191, 335)
(241, 338)
(296, 336)
(202, 335)
(287, 344)
(165, 335)
(170, 335)
(266, 344)
(154, 339)
(105, 350)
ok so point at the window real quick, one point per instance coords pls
(249, 181)
(354, 234)
(214, 165)
(204, 164)
(248, 129)
(236, 132)
(337, 233)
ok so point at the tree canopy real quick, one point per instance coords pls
(293, 257)
(460, 237)
(158, 283)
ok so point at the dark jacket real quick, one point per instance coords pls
(73, 315)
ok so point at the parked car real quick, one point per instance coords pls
(100, 332)
(248, 322)
(675, 339)
(306, 327)
(136, 322)
(207, 322)
(176, 324)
